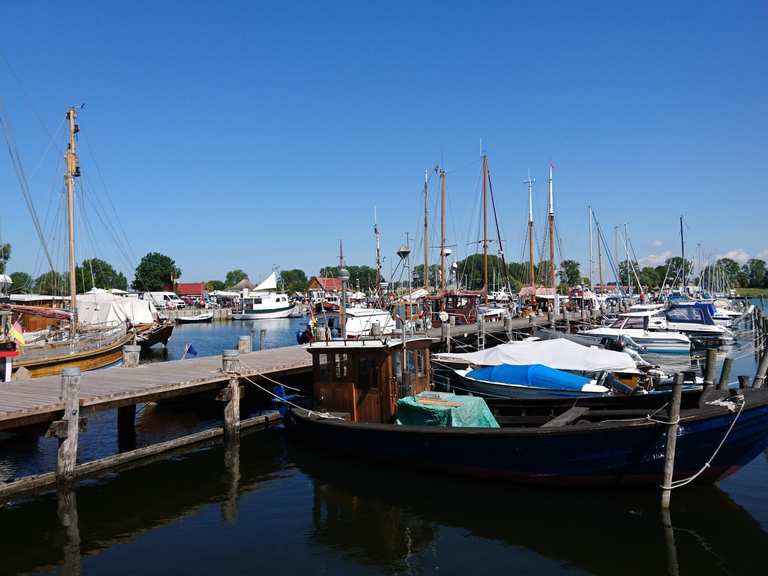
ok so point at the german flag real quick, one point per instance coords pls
(17, 333)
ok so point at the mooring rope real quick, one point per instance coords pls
(685, 481)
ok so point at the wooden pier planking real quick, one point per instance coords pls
(33, 401)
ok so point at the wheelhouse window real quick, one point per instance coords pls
(341, 366)
(367, 373)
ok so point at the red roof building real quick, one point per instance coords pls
(324, 284)
(196, 289)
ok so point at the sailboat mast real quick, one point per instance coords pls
(485, 228)
(531, 269)
(591, 256)
(682, 252)
(551, 218)
(72, 171)
(426, 231)
(378, 256)
(599, 259)
(442, 229)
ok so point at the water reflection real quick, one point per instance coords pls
(602, 532)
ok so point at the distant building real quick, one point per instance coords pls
(322, 289)
(194, 289)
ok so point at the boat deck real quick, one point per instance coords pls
(26, 402)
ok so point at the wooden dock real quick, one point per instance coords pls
(26, 402)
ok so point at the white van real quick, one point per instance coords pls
(165, 300)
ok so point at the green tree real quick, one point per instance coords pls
(470, 271)
(96, 273)
(51, 283)
(755, 272)
(22, 282)
(212, 285)
(362, 276)
(294, 280)
(434, 274)
(570, 273)
(235, 276)
(649, 277)
(5, 255)
(156, 272)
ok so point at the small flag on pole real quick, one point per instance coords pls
(17, 333)
(191, 350)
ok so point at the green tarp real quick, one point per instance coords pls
(440, 409)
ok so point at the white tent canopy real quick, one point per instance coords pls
(100, 307)
(560, 354)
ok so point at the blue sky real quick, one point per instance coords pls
(247, 135)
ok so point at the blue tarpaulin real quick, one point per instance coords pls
(534, 375)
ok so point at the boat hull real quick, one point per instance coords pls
(500, 390)
(264, 314)
(159, 334)
(199, 319)
(576, 456)
(85, 360)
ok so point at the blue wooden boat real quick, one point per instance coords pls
(614, 446)
(603, 440)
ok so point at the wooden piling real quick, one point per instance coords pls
(447, 336)
(70, 396)
(669, 455)
(244, 344)
(230, 361)
(762, 368)
(232, 466)
(743, 382)
(709, 369)
(131, 353)
(262, 338)
(725, 373)
(126, 428)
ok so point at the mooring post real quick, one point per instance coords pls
(761, 371)
(725, 373)
(70, 396)
(743, 382)
(262, 338)
(131, 353)
(126, 428)
(567, 322)
(709, 369)
(230, 362)
(66, 508)
(673, 567)
(447, 336)
(244, 344)
(669, 456)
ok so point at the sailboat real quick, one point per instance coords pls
(84, 343)
(264, 301)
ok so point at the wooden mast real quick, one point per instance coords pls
(442, 229)
(485, 228)
(426, 232)
(73, 170)
(379, 295)
(531, 269)
(551, 218)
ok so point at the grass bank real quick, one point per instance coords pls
(753, 292)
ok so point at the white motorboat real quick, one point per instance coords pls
(637, 327)
(264, 302)
(362, 322)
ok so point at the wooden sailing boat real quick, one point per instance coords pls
(84, 349)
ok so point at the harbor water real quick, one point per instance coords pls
(278, 507)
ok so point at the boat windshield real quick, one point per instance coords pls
(618, 323)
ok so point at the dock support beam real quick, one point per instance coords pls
(131, 353)
(230, 361)
(669, 456)
(126, 428)
(70, 396)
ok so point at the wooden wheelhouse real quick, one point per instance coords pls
(364, 378)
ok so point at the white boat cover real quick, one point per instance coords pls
(560, 354)
(269, 284)
(99, 307)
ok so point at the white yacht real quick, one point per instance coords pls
(636, 326)
(264, 301)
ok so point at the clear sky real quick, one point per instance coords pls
(252, 134)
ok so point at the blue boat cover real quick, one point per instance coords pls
(534, 375)
(445, 410)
